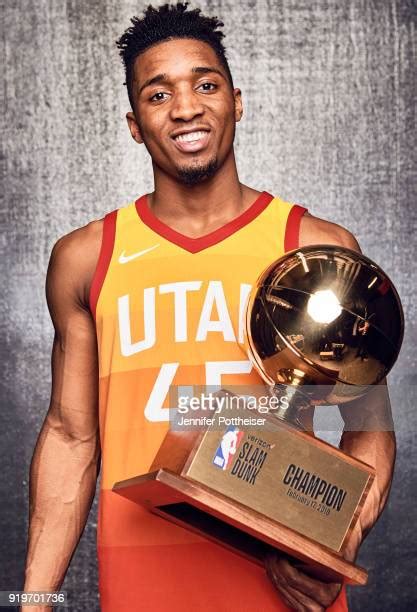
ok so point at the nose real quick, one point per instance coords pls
(186, 105)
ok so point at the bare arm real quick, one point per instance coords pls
(368, 435)
(66, 459)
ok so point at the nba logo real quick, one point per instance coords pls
(227, 448)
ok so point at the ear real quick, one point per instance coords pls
(238, 104)
(134, 127)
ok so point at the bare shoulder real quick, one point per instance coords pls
(73, 262)
(314, 230)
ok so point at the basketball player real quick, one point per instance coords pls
(152, 295)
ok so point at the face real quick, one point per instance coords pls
(185, 109)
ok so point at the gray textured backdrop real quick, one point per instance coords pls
(329, 90)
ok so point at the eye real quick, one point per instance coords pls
(158, 96)
(208, 86)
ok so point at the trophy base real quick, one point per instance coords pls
(234, 526)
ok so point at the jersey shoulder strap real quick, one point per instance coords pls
(292, 228)
(103, 262)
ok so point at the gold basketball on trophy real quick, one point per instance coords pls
(325, 320)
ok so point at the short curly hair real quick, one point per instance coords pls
(168, 22)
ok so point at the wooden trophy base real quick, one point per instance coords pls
(253, 504)
(218, 518)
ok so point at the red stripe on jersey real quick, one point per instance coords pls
(103, 262)
(194, 245)
(292, 230)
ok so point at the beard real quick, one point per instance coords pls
(193, 175)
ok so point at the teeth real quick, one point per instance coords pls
(190, 137)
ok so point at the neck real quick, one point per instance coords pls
(196, 209)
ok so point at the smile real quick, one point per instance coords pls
(191, 142)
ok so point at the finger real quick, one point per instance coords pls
(290, 601)
(306, 602)
(292, 597)
(322, 592)
(280, 585)
(284, 595)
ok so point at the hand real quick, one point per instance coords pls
(299, 591)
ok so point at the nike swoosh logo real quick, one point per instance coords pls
(126, 258)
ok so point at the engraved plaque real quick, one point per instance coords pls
(286, 476)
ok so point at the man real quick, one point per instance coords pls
(151, 296)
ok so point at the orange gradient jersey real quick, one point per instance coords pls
(169, 311)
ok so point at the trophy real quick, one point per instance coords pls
(323, 325)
